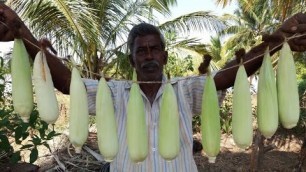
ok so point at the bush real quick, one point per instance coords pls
(225, 116)
(302, 96)
(226, 113)
(13, 131)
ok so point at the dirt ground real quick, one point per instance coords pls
(284, 157)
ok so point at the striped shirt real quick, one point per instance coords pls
(189, 95)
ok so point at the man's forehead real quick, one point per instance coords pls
(147, 40)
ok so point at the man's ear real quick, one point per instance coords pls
(165, 57)
(131, 60)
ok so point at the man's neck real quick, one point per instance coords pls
(150, 90)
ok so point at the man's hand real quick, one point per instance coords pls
(205, 64)
(293, 26)
(11, 25)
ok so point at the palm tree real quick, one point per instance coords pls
(184, 47)
(247, 26)
(244, 31)
(255, 17)
(72, 25)
(281, 9)
(94, 31)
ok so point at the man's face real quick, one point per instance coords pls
(148, 57)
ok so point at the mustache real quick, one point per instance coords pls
(152, 63)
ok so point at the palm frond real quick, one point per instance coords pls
(223, 3)
(196, 21)
(71, 21)
(162, 6)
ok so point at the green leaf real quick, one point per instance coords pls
(33, 155)
(4, 122)
(25, 135)
(24, 126)
(33, 119)
(1, 62)
(36, 140)
(18, 134)
(42, 130)
(51, 135)
(46, 145)
(15, 157)
(2, 113)
(4, 143)
(26, 146)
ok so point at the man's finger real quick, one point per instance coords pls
(301, 17)
(207, 58)
(272, 38)
(1, 14)
(5, 35)
(300, 28)
(298, 45)
(300, 42)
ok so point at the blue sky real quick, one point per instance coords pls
(182, 7)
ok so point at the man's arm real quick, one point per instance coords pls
(295, 25)
(12, 27)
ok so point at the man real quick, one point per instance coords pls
(148, 56)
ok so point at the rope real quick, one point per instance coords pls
(188, 77)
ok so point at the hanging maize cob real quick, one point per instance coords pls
(137, 136)
(267, 110)
(168, 131)
(79, 115)
(242, 110)
(22, 91)
(106, 122)
(44, 90)
(287, 91)
(210, 119)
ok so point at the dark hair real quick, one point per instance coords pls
(143, 29)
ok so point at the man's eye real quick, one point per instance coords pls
(156, 49)
(140, 51)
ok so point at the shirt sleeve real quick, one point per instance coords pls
(193, 88)
(91, 88)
